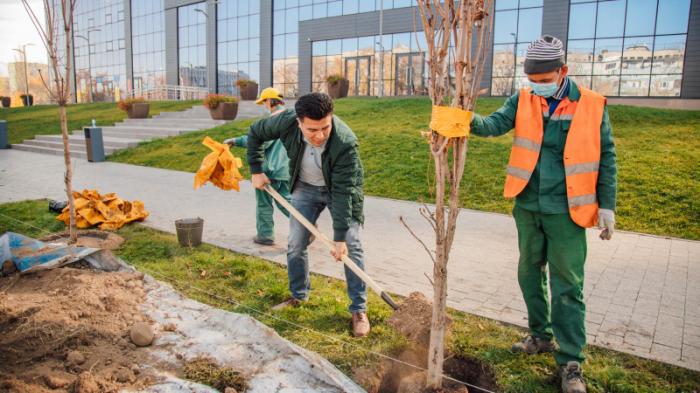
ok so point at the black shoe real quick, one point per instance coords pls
(263, 241)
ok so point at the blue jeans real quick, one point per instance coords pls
(310, 201)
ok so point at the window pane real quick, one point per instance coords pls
(579, 57)
(350, 6)
(505, 29)
(349, 47)
(292, 45)
(640, 18)
(501, 86)
(366, 5)
(611, 16)
(319, 10)
(530, 24)
(666, 85)
(292, 20)
(318, 48)
(582, 20)
(636, 57)
(669, 52)
(634, 85)
(608, 53)
(503, 60)
(606, 85)
(278, 47)
(305, 13)
(335, 8)
(333, 47)
(520, 53)
(506, 4)
(583, 81)
(531, 3)
(673, 17)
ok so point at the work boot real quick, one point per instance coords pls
(572, 378)
(360, 324)
(263, 241)
(287, 303)
(532, 345)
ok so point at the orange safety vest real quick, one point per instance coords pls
(581, 151)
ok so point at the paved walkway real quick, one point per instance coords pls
(642, 291)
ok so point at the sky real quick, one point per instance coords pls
(16, 29)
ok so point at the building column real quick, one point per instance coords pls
(265, 44)
(212, 65)
(691, 65)
(128, 48)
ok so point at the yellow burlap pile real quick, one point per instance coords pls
(219, 167)
(108, 211)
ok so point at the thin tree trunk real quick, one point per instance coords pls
(69, 173)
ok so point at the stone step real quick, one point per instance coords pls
(48, 150)
(75, 146)
(115, 132)
(119, 143)
(170, 122)
(149, 128)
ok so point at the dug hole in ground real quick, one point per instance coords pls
(83, 329)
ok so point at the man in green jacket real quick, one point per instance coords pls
(545, 207)
(326, 172)
(275, 166)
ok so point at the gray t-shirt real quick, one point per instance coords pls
(311, 164)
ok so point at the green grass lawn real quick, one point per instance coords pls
(260, 284)
(658, 154)
(23, 123)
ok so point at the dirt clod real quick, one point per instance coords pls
(230, 390)
(75, 358)
(169, 327)
(56, 382)
(86, 384)
(124, 375)
(141, 334)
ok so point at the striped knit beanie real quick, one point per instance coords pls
(546, 54)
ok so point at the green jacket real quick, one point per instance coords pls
(341, 166)
(276, 163)
(546, 190)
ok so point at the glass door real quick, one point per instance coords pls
(409, 74)
(357, 72)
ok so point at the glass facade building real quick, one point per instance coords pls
(625, 48)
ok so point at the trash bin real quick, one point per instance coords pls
(3, 135)
(93, 144)
(189, 231)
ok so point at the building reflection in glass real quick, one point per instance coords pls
(628, 49)
(238, 43)
(148, 45)
(192, 45)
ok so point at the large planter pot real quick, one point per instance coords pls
(224, 111)
(27, 100)
(338, 89)
(6, 102)
(138, 110)
(249, 91)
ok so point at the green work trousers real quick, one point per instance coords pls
(264, 209)
(556, 240)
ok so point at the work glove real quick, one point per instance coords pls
(606, 222)
(230, 141)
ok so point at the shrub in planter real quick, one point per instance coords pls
(27, 99)
(337, 86)
(221, 107)
(6, 102)
(135, 108)
(248, 89)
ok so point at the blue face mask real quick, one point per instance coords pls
(545, 90)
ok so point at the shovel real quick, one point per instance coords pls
(347, 261)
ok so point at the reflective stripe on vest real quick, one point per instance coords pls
(581, 151)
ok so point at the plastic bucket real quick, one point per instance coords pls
(189, 231)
